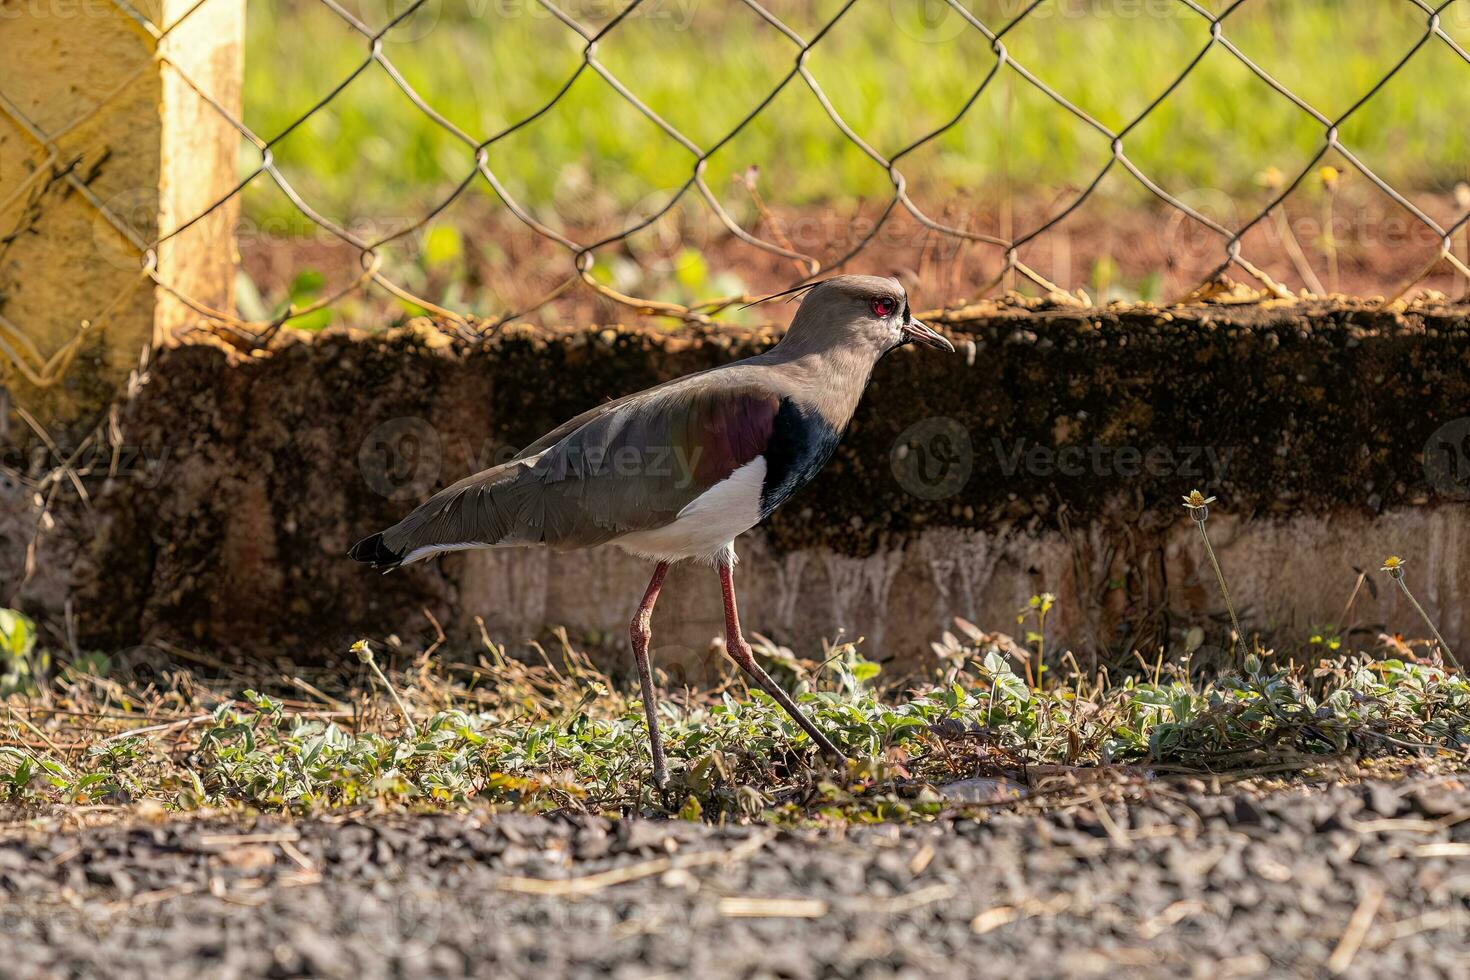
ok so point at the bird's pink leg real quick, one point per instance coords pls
(641, 632)
(740, 652)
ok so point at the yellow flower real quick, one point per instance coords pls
(1394, 566)
(1329, 177)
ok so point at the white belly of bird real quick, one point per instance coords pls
(709, 523)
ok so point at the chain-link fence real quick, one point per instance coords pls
(765, 233)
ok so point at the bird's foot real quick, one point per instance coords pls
(667, 797)
(832, 752)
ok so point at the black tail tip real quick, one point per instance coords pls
(374, 552)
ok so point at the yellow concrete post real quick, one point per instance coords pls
(108, 142)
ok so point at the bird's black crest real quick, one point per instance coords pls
(794, 292)
(374, 552)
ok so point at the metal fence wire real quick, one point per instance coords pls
(582, 255)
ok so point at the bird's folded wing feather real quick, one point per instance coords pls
(632, 465)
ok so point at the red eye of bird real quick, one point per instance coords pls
(882, 306)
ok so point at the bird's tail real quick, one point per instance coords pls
(373, 551)
(472, 513)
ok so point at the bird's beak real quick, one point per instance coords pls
(919, 333)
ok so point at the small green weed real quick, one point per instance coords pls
(22, 664)
(562, 738)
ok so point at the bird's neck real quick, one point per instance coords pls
(833, 377)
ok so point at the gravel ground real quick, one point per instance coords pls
(1363, 880)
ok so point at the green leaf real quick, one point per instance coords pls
(315, 321)
(994, 664)
(1013, 688)
(690, 268)
(17, 634)
(412, 309)
(248, 301)
(21, 778)
(306, 286)
(443, 245)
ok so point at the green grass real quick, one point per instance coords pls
(517, 734)
(372, 154)
(563, 737)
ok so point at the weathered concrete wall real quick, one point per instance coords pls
(1050, 454)
(102, 144)
(1293, 575)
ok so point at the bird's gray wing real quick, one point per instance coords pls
(559, 433)
(632, 465)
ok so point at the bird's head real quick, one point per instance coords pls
(860, 311)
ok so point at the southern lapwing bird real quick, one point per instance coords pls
(677, 472)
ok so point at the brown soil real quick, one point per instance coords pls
(1141, 252)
